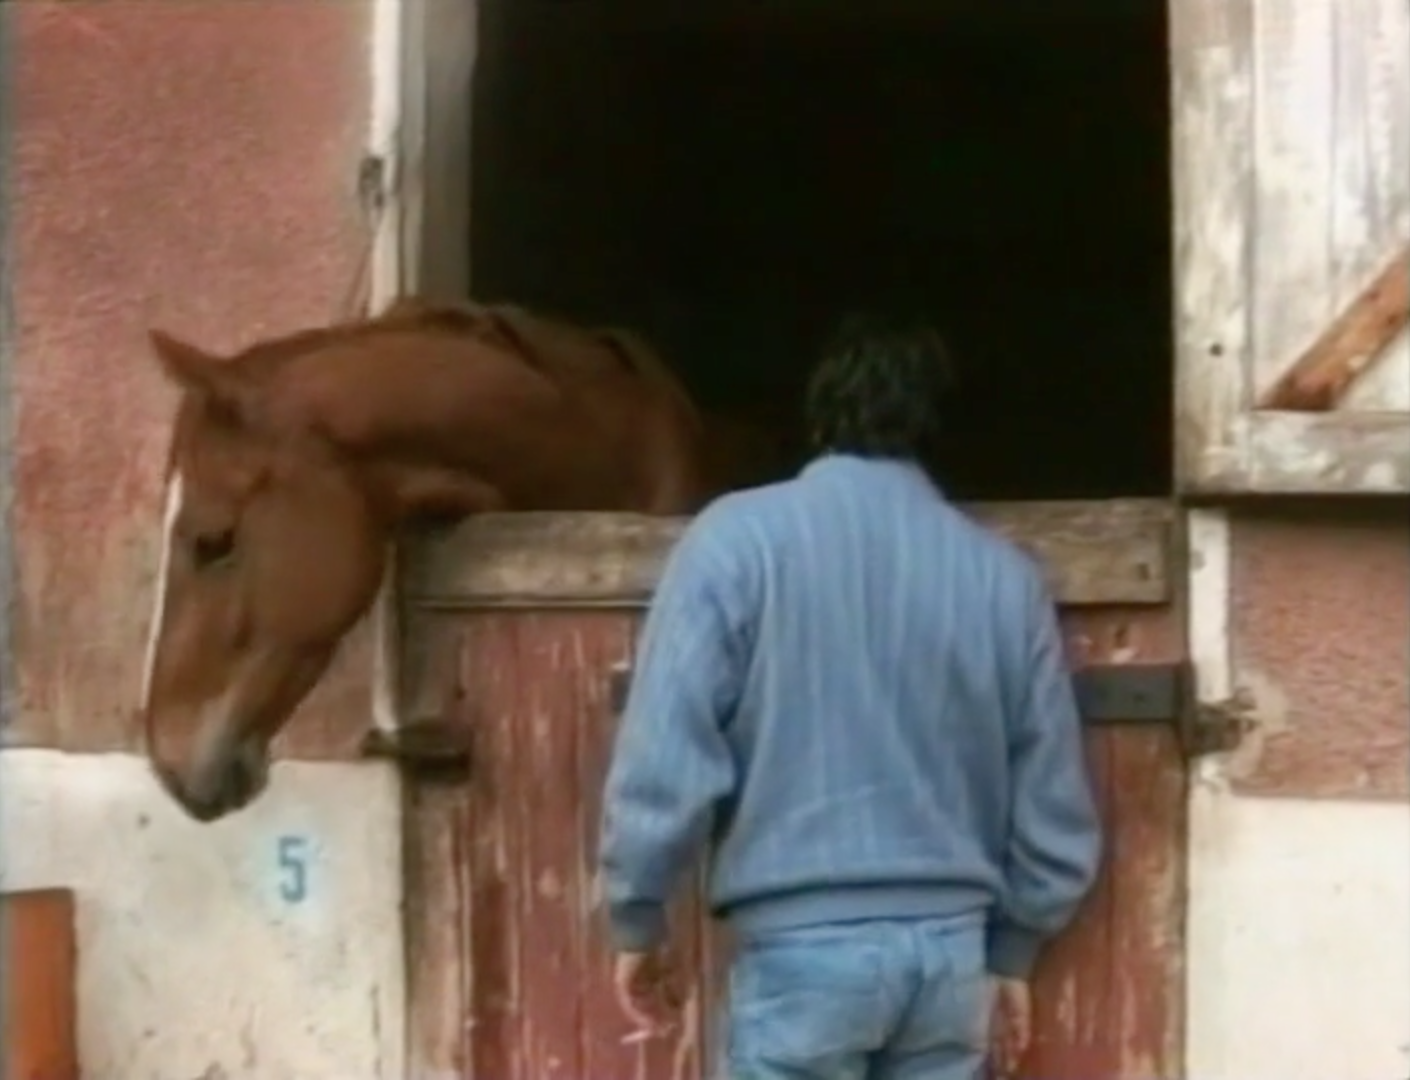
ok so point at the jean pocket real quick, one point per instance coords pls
(956, 1003)
(800, 999)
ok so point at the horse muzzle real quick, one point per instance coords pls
(219, 783)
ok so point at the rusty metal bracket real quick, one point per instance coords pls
(1121, 694)
(1217, 727)
(1131, 693)
(431, 749)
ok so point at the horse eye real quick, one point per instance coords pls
(212, 549)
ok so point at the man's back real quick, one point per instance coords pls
(872, 728)
(857, 700)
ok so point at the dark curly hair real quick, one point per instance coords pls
(876, 392)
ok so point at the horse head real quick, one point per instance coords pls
(293, 463)
(274, 543)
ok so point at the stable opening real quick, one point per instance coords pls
(729, 178)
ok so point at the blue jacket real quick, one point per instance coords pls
(856, 697)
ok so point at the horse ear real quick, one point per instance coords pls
(198, 372)
(185, 365)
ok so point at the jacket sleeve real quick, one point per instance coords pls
(671, 765)
(1054, 847)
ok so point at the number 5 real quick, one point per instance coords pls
(293, 868)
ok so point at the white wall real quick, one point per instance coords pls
(1299, 939)
(200, 956)
(1298, 931)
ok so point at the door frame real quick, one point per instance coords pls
(423, 56)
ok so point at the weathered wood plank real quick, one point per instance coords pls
(1109, 992)
(1098, 552)
(1334, 453)
(1333, 166)
(1212, 188)
(1289, 127)
(1322, 375)
(1372, 158)
(436, 834)
(531, 937)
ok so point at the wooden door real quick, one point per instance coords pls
(39, 985)
(518, 627)
(1291, 161)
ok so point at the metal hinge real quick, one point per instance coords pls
(1116, 695)
(1121, 694)
(1217, 727)
(1132, 693)
(436, 744)
(434, 749)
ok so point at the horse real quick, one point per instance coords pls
(294, 463)
(742, 451)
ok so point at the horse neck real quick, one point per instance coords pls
(399, 395)
(417, 408)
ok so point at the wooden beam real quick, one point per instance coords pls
(1322, 375)
(1315, 454)
(1096, 552)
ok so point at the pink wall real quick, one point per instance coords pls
(190, 165)
(1321, 635)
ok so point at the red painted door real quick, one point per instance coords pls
(510, 971)
(40, 991)
(541, 999)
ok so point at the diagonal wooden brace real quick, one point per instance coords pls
(1322, 375)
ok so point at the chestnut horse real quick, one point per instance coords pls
(293, 463)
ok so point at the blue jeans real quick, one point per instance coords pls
(880, 1000)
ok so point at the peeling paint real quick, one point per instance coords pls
(222, 215)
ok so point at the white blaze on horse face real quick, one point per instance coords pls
(154, 633)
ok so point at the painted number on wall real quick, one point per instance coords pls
(292, 856)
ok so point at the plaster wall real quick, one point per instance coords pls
(1299, 916)
(264, 947)
(190, 166)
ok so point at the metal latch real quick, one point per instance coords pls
(432, 749)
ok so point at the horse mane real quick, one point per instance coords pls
(638, 353)
(536, 337)
(552, 346)
(404, 314)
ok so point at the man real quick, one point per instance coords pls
(857, 697)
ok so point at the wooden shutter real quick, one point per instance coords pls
(1291, 144)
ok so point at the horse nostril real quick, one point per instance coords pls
(236, 790)
(244, 778)
(202, 808)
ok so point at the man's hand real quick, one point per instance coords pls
(647, 990)
(1010, 1025)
